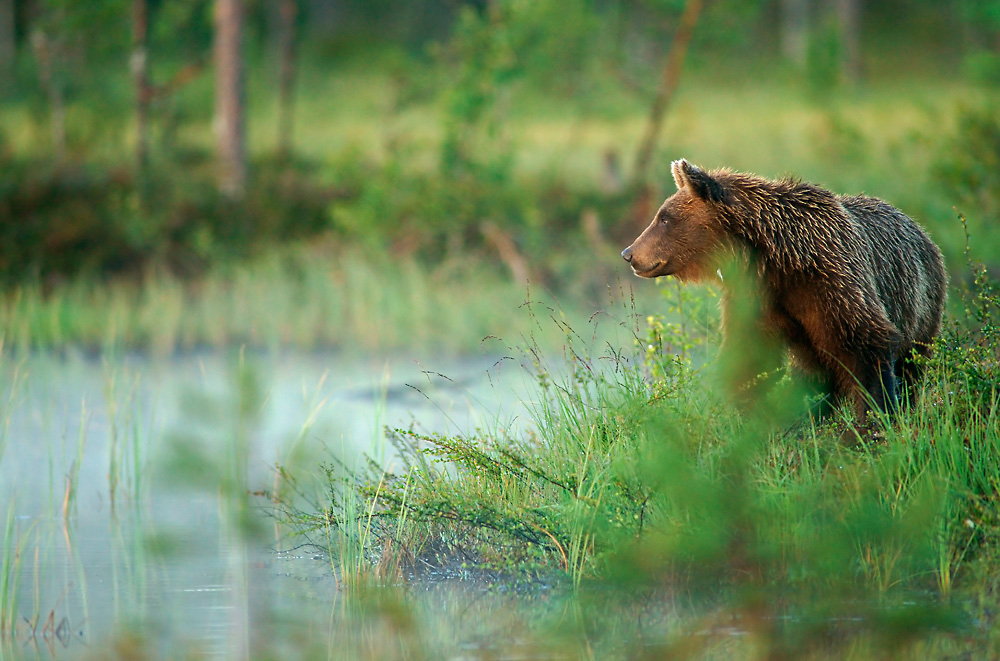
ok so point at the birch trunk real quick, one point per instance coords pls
(229, 97)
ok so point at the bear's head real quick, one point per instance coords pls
(686, 234)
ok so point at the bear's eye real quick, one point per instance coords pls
(663, 218)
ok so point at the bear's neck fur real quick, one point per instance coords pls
(752, 205)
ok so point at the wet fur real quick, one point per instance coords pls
(850, 283)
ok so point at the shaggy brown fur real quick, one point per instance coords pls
(850, 283)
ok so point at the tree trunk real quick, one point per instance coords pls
(229, 97)
(288, 12)
(668, 85)
(140, 74)
(8, 42)
(849, 24)
(795, 31)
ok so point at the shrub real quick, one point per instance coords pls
(60, 222)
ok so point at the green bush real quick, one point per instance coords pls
(635, 479)
(983, 67)
(968, 167)
(60, 222)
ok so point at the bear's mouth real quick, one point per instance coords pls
(654, 271)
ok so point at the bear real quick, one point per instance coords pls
(849, 284)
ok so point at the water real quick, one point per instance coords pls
(138, 491)
(134, 498)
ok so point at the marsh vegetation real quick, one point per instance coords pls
(397, 396)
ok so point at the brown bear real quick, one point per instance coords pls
(850, 283)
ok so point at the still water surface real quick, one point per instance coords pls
(112, 475)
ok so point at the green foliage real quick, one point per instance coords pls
(983, 67)
(824, 72)
(499, 130)
(967, 167)
(100, 222)
(100, 25)
(692, 323)
(969, 349)
(302, 297)
(982, 16)
(14, 543)
(634, 475)
(440, 217)
(969, 162)
(184, 26)
(443, 212)
(484, 57)
(724, 25)
(556, 59)
(957, 424)
(507, 499)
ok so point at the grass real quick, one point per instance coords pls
(72, 476)
(885, 138)
(10, 574)
(635, 480)
(644, 497)
(16, 380)
(635, 487)
(129, 448)
(363, 285)
(39, 538)
(295, 298)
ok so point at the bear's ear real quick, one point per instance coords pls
(678, 168)
(700, 182)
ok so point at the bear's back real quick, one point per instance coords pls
(907, 267)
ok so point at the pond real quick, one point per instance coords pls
(136, 502)
(135, 497)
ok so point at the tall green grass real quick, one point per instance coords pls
(636, 477)
(393, 269)
(17, 376)
(71, 480)
(44, 544)
(129, 445)
(10, 574)
(294, 298)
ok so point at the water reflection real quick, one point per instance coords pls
(130, 486)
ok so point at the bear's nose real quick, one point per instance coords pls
(627, 254)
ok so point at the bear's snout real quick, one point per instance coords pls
(627, 254)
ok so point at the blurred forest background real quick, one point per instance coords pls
(145, 142)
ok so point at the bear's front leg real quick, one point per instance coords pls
(878, 386)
